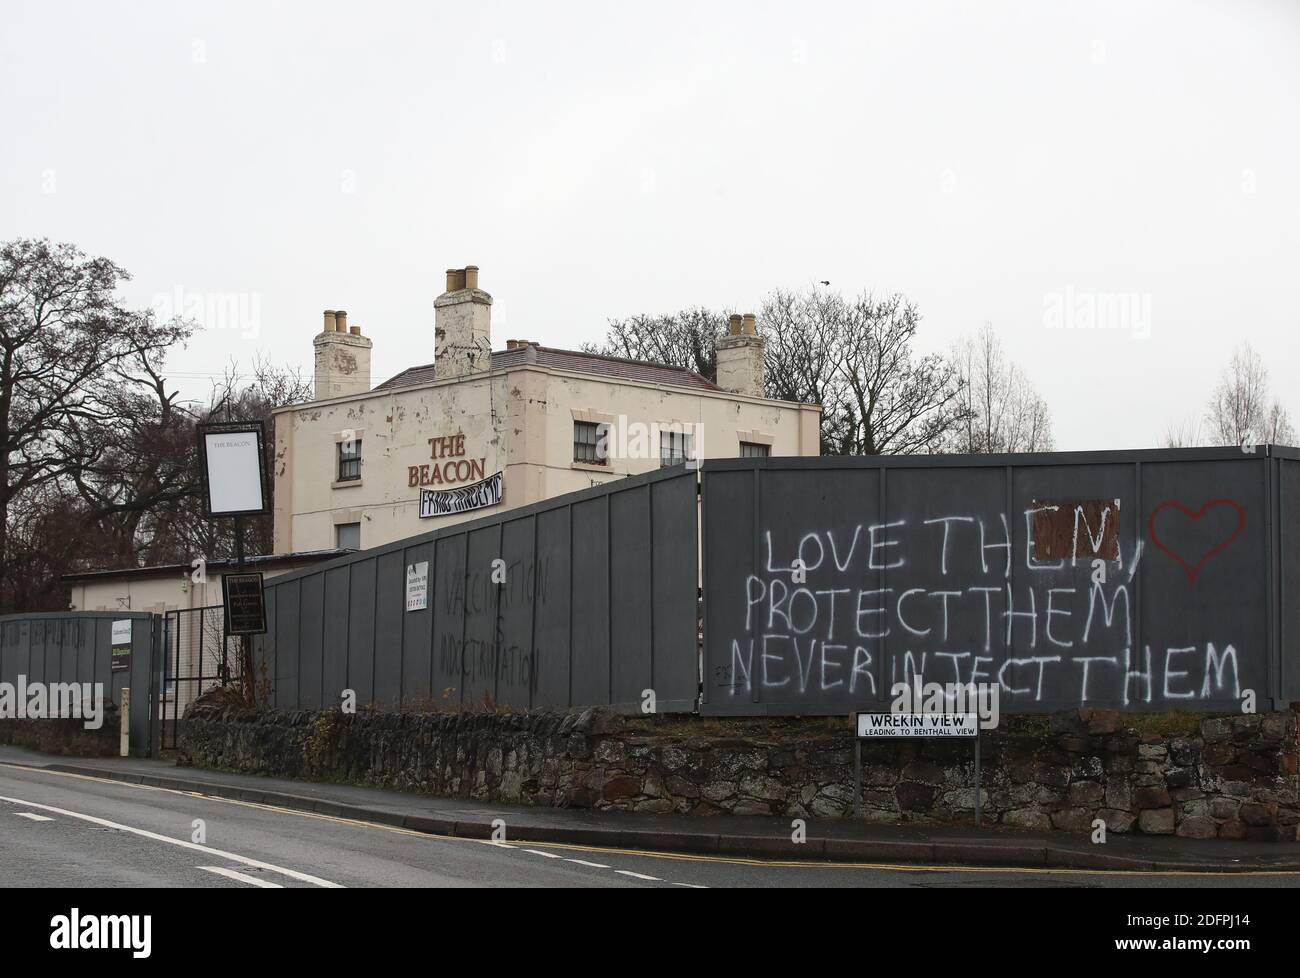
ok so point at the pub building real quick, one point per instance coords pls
(475, 432)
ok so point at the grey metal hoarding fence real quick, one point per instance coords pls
(76, 647)
(1145, 580)
(597, 606)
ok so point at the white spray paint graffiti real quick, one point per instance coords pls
(832, 616)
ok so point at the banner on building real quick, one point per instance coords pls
(446, 502)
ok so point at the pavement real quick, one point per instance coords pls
(738, 838)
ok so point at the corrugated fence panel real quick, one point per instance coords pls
(417, 635)
(631, 607)
(583, 600)
(390, 606)
(311, 641)
(515, 675)
(76, 647)
(675, 597)
(552, 635)
(1137, 580)
(590, 649)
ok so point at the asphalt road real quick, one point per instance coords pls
(66, 830)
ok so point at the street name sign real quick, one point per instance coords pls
(872, 725)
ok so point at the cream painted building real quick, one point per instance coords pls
(479, 430)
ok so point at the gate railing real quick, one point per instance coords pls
(198, 656)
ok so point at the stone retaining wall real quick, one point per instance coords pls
(1203, 777)
(67, 737)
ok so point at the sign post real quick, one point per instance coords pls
(913, 726)
(232, 458)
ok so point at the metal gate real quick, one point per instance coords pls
(198, 656)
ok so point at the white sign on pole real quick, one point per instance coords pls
(417, 586)
(234, 469)
(918, 725)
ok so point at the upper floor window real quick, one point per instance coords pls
(349, 460)
(588, 445)
(750, 449)
(674, 448)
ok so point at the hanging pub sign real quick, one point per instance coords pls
(446, 502)
(245, 608)
(121, 646)
(233, 469)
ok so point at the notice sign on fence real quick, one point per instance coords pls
(121, 646)
(445, 502)
(417, 586)
(918, 725)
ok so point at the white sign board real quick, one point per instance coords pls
(918, 725)
(445, 502)
(120, 651)
(234, 469)
(417, 586)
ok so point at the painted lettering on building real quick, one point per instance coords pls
(449, 466)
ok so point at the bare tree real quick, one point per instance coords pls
(1242, 409)
(682, 339)
(855, 356)
(1003, 410)
(62, 330)
(1183, 434)
(852, 356)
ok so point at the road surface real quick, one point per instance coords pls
(68, 830)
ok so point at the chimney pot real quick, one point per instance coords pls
(750, 327)
(733, 326)
(329, 320)
(471, 277)
(354, 330)
(341, 321)
(455, 279)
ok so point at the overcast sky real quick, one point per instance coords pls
(996, 162)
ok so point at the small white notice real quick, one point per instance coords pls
(918, 725)
(417, 586)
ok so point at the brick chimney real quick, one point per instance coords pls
(462, 326)
(342, 358)
(740, 357)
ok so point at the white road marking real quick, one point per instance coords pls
(538, 852)
(583, 862)
(640, 876)
(242, 877)
(691, 886)
(34, 817)
(146, 834)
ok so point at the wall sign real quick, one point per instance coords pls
(121, 646)
(245, 608)
(918, 725)
(445, 502)
(417, 586)
(456, 468)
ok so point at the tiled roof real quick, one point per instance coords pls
(587, 363)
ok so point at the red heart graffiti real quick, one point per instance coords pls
(1194, 569)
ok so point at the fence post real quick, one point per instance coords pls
(125, 720)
